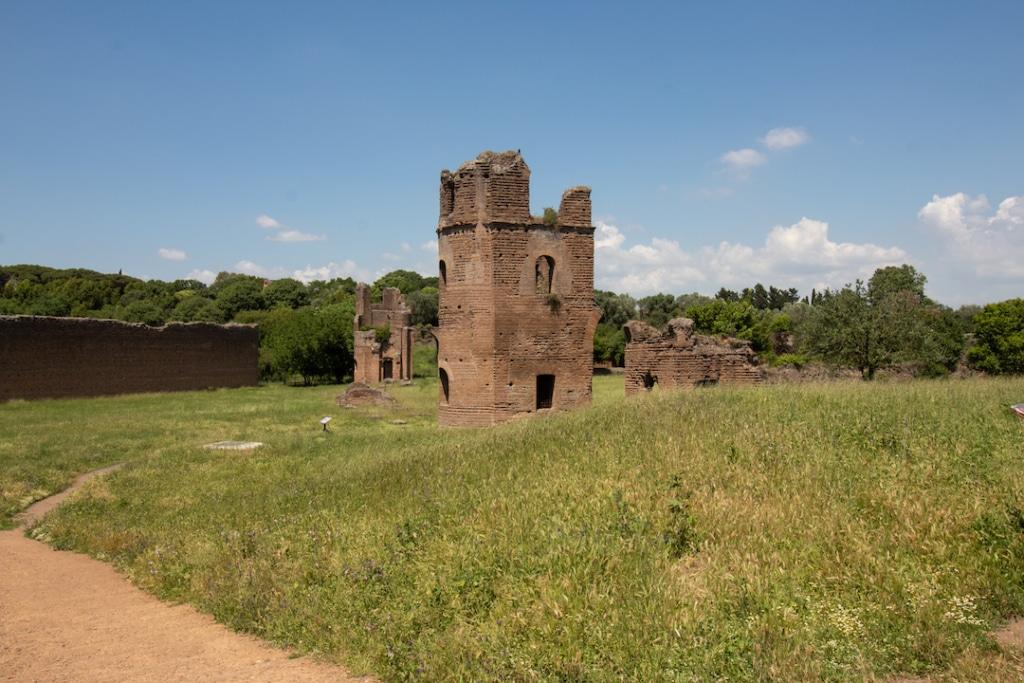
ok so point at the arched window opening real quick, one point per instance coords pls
(444, 272)
(650, 381)
(545, 274)
(444, 384)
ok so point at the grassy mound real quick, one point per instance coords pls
(794, 533)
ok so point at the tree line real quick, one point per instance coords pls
(888, 321)
(306, 328)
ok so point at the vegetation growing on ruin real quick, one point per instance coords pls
(822, 532)
(550, 216)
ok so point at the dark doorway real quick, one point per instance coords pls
(444, 383)
(386, 369)
(650, 381)
(545, 391)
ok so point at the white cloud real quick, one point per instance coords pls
(284, 233)
(267, 223)
(743, 159)
(992, 246)
(784, 138)
(251, 268)
(172, 254)
(207, 276)
(329, 271)
(430, 246)
(295, 236)
(347, 268)
(800, 255)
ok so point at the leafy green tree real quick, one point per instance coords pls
(727, 295)
(334, 341)
(941, 343)
(842, 332)
(550, 216)
(758, 296)
(336, 291)
(732, 318)
(966, 315)
(197, 309)
(779, 298)
(424, 306)
(685, 301)
(313, 343)
(196, 286)
(143, 312)
(871, 331)
(405, 280)
(658, 309)
(240, 294)
(49, 304)
(892, 279)
(616, 309)
(287, 293)
(609, 344)
(999, 331)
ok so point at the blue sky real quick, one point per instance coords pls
(796, 144)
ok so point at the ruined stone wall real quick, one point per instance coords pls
(42, 357)
(516, 297)
(376, 362)
(681, 359)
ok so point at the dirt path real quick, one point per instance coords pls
(67, 617)
(995, 667)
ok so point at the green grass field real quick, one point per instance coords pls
(800, 533)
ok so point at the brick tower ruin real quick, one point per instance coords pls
(517, 314)
(379, 360)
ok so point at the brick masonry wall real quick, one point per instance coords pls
(43, 357)
(369, 354)
(679, 359)
(498, 328)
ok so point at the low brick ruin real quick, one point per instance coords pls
(678, 358)
(516, 310)
(382, 360)
(359, 394)
(43, 357)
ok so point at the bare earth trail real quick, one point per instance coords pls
(67, 617)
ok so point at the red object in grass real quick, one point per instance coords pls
(1019, 409)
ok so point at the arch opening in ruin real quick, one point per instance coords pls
(544, 273)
